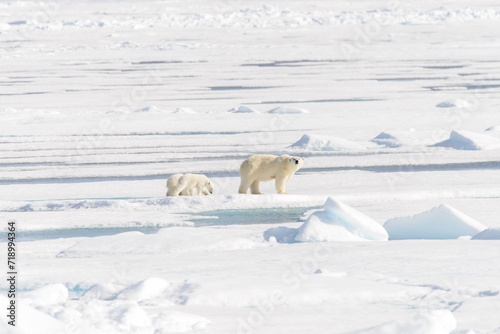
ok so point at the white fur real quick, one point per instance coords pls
(265, 167)
(187, 183)
(172, 184)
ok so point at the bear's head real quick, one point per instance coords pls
(210, 186)
(295, 163)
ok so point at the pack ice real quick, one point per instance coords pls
(442, 222)
(340, 222)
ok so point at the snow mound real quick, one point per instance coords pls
(134, 318)
(423, 322)
(281, 234)
(339, 222)
(493, 128)
(184, 111)
(46, 295)
(325, 143)
(39, 322)
(102, 291)
(244, 110)
(442, 222)
(488, 234)
(147, 289)
(466, 140)
(387, 139)
(288, 110)
(406, 137)
(397, 138)
(149, 109)
(456, 103)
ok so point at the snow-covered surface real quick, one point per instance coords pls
(442, 222)
(101, 101)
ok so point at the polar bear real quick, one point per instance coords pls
(266, 167)
(172, 184)
(187, 183)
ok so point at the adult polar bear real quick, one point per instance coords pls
(266, 167)
(185, 184)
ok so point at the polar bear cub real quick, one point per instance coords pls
(266, 167)
(187, 183)
(172, 184)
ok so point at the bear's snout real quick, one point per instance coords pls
(296, 162)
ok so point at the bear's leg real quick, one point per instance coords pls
(280, 185)
(181, 189)
(254, 188)
(244, 185)
(198, 190)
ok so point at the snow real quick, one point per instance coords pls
(288, 110)
(436, 322)
(493, 128)
(456, 103)
(148, 109)
(39, 322)
(325, 143)
(467, 140)
(442, 222)
(184, 110)
(340, 222)
(401, 138)
(46, 295)
(102, 101)
(147, 289)
(488, 234)
(174, 240)
(244, 110)
(180, 322)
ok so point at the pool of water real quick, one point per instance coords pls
(205, 218)
(75, 233)
(250, 216)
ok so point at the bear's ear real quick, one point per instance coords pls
(303, 159)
